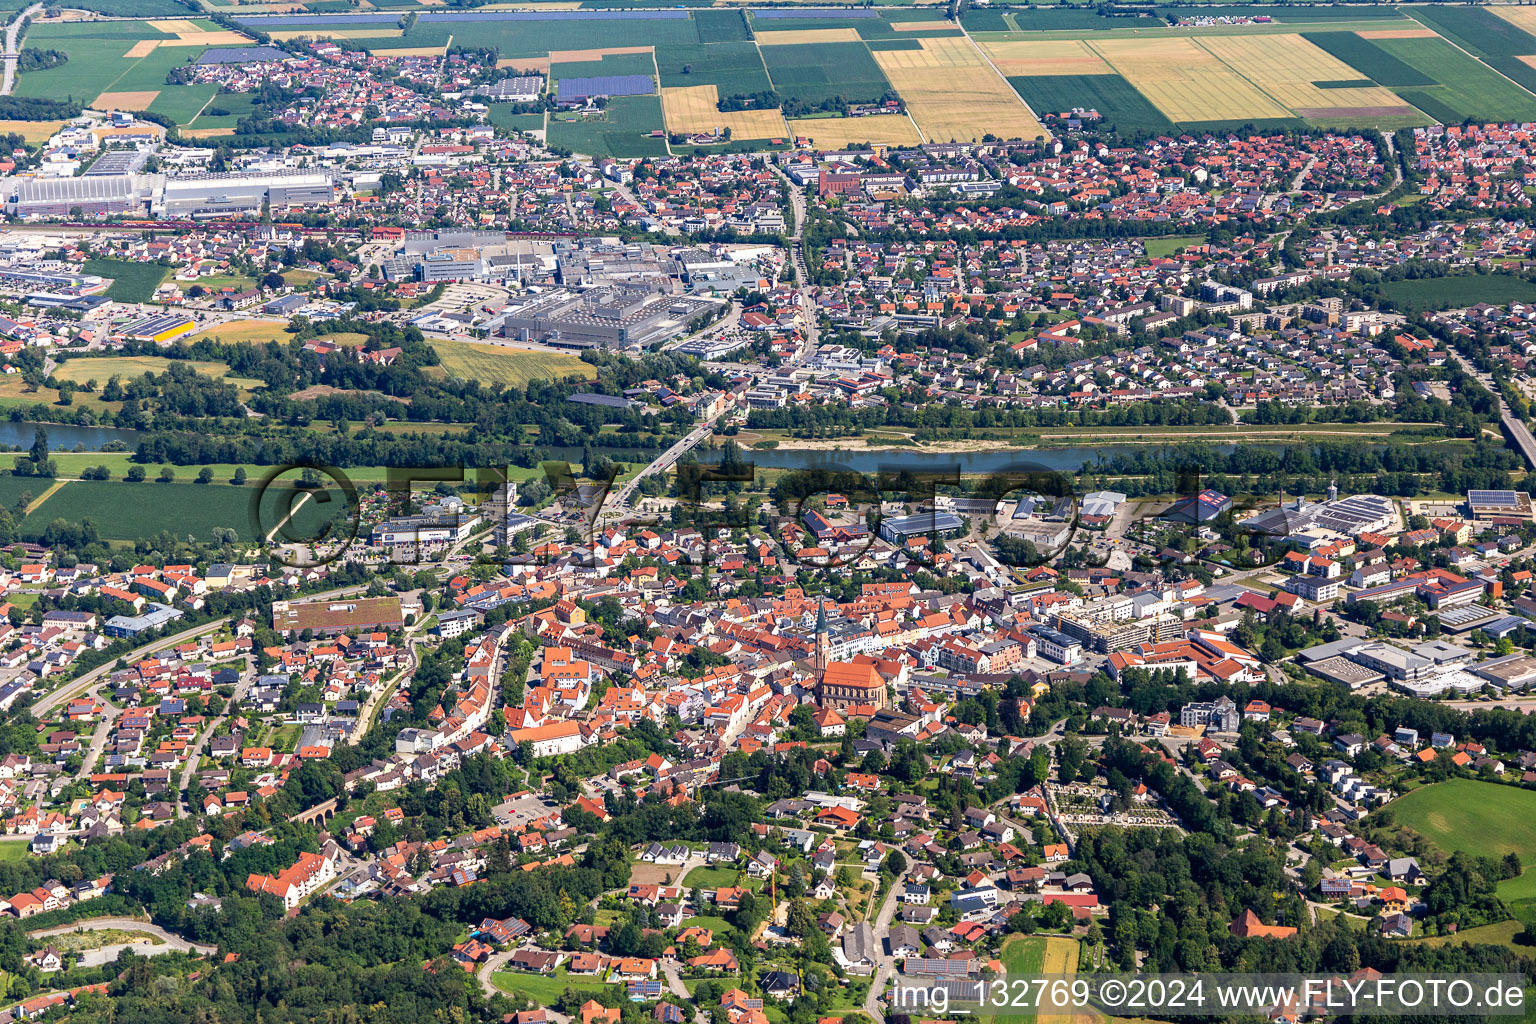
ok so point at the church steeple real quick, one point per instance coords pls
(821, 639)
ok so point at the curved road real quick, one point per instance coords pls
(99, 924)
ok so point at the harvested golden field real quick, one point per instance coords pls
(175, 26)
(1040, 57)
(692, 109)
(807, 35)
(953, 93)
(206, 133)
(577, 56)
(1414, 33)
(525, 63)
(1187, 82)
(840, 132)
(1285, 66)
(142, 48)
(125, 100)
(31, 131)
(1520, 17)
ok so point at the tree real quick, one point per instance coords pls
(135, 474)
(239, 478)
(205, 475)
(167, 475)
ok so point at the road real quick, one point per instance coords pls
(1518, 433)
(13, 47)
(797, 254)
(98, 924)
(617, 504)
(882, 926)
(195, 753)
(71, 690)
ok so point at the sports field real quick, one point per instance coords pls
(496, 364)
(954, 94)
(693, 109)
(841, 132)
(1186, 81)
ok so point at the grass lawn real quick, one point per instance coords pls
(711, 878)
(1522, 888)
(1482, 818)
(497, 364)
(1501, 934)
(1167, 245)
(719, 925)
(100, 368)
(131, 282)
(544, 989)
(13, 849)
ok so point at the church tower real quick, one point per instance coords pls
(822, 641)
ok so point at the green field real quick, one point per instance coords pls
(1484, 34)
(1483, 819)
(131, 282)
(734, 68)
(502, 117)
(814, 72)
(181, 103)
(623, 130)
(96, 58)
(721, 26)
(13, 849)
(1167, 245)
(1369, 59)
(1467, 88)
(497, 364)
(1456, 292)
(1120, 105)
(123, 511)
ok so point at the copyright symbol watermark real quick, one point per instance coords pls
(305, 514)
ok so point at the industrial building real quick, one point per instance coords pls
(1485, 505)
(610, 317)
(1356, 514)
(198, 195)
(925, 524)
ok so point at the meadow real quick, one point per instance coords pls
(496, 364)
(1458, 291)
(1484, 819)
(131, 282)
(623, 129)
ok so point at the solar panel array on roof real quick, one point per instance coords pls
(605, 85)
(1492, 497)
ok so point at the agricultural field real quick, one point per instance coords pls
(694, 109)
(815, 72)
(124, 511)
(953, 93)
(733, 68)
(1483, 819)
(1045, 58)
(1287, 67)
(1187, 82)
(840, 132)
(131, 282)
(496, 364)
(1457, 292)
(1117, 102)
